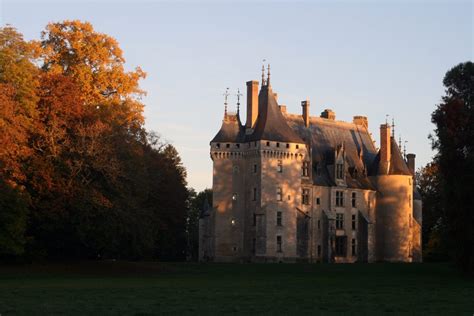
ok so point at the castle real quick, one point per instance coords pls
(293, 187)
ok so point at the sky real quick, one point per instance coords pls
(369, 58)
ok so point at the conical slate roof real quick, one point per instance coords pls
(398, 165)
(271, 125)
(231, 130)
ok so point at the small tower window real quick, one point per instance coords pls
(354, 217)
(287, 145)
(279, 194)
(254, 194)
(218, 145)
(319, 224)
(279, 219)
(305, 169)
(255, 168)
(297, 146)
(305, 197)
(318, 201)
(280, 166)
(278, 144)
(254, 223)
(354, 199)
(339, 198)
(268, 144)
(339, 221)
(279, 244)
(237, 145)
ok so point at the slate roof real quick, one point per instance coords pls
(231, 130)
(398, 165)
(325, 136)
(271, 124)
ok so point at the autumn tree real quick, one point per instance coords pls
(454, 141)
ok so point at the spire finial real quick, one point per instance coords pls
(238, 100)
(393, 126)
(386, 119)
(405, 150)
(268, 75)
(226, 94)
(400, 141)
(263, 72)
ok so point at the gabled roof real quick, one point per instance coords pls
(271, 124)
(231, 130)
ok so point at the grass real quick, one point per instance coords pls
(187, 288)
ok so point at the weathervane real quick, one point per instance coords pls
(226, 94)
(393, 126)
(400, 141)
(238, 100)
(268, 75)
(386, 119)
(405, 150)
(263, 71)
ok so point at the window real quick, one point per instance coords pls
(218, 145)
(339, 198)
(278, 144)
(255, 143)
(354, 199)
(409, 200)
(305, 168)
(254, 220)
(235, 169)
(339, 221)
(237, 145)
(234, 197)
(297, 146)
(254, 194)
(341, 246)
(227, 145)
(280, 166)
(353, 221)
(354, 252)
(305, 197)
(279, 194)
(268, 144)
(279, 219)
(255, 168)
(319, 224)
(339, 171)
(319, 250)
(318, 201)
(279, 248)
(287, 145)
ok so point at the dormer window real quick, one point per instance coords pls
(305, 169)
(280, 166)
(339, 171)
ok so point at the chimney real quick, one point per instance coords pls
(283, 109)
(305, 106)
(411, 163)
(361, 120)
(385, 147)
(252, 103)
(328, 114)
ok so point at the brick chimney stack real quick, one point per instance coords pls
(252, 103)
(305, 106)
(411, 163)
(385, 147)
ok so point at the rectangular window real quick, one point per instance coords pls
(354, 249)
(339, 171)
(278, 144)
(280, 166)
(254, 194)
(305, 171)
(305, 197)
(268, 144)
(339, 221)
(319, 224)
(255, 168)
(279, 219)
(353, 221)
(227, 145)
(279, 194)
(354, 199)
(339, 198)
(279, 246)
(341, 246)
(254, 220)
(318, 201)
(319, 250)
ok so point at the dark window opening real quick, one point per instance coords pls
(318, 201)
(354, 199)
(339, 198)
(279, 244)
(354, 248)
(341, 246)
(305, 197)
(339, 221)
(279, 219)
(354, 222)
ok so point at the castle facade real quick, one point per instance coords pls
(294, 187)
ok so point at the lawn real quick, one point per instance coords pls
(187, 288)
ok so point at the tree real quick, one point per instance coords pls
(454, 141)
(195, 208)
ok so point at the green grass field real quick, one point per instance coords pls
(122, 288)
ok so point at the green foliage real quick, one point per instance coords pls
(454, 140)
(196, 204)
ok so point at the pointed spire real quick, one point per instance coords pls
(263, 73)
(238, 100)
(268, 75)
(226, 94)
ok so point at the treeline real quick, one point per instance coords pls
(80, 177)
(447, 183)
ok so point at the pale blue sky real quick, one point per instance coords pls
(357, 57)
